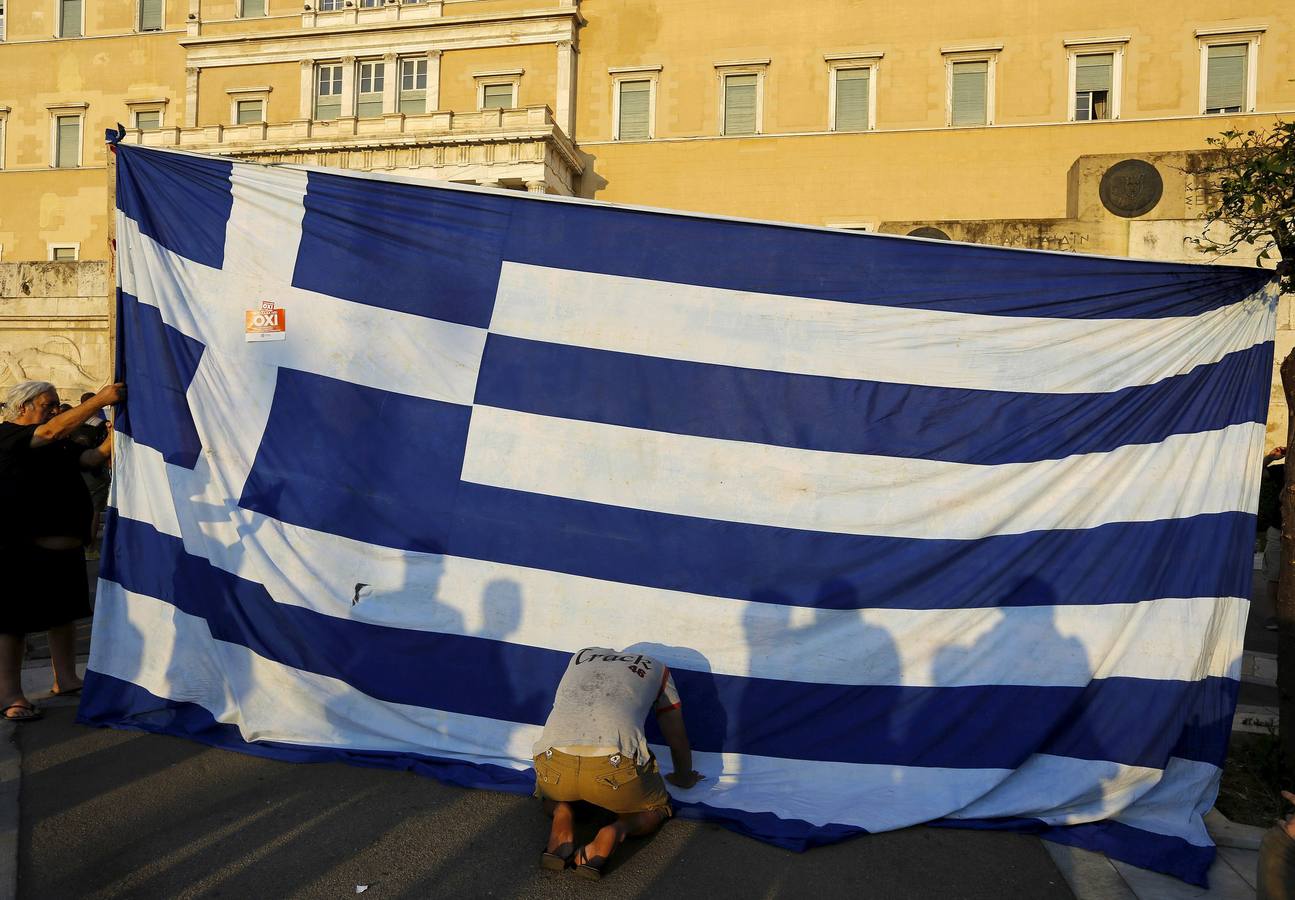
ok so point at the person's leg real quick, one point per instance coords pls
(562, 833)
(609, 837)
(11, 647)
(62, 655)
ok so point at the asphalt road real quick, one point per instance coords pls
(114, 814)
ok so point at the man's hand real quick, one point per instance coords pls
(1289, 822)
(110, 394)
(687, 780)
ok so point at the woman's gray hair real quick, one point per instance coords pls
(23, 393)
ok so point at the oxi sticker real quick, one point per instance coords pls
(266, 323)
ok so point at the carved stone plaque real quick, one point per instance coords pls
(928, 231)
(1131, 188)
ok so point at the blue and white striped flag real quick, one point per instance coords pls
(926, 531)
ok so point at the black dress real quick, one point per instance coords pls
(42, 494)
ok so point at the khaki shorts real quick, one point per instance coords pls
(613, 782)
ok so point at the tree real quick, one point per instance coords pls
(1252, 200)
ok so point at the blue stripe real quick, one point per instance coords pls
(162, 364)
(182, 202)
(834, 414)
(410, 248)
(873, 269)
(1117, 563)
(110, 702)
(1127, 720)
(374, 465)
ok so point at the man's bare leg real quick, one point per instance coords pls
(62, 656)
(563, 829)
(609, 837)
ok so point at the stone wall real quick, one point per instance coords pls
(54, 325)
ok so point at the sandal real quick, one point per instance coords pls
(68, 693)
(28, 713)
(592, 867)
(557, 861)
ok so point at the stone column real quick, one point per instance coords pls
(566, 100)
(305, 108)
(433, 80)
(191, 74)
(348, 87)
(390, 83)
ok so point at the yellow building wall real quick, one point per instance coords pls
(538, 82)
(283, 79)
(1162, 59)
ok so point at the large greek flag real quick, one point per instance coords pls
(926, 531)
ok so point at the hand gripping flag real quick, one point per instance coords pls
(927, 532)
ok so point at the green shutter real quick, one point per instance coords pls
(69, 18)
(148, 120)
(969, 92)
(250, 8)
(1225, 85)
(413, 103)
(497, 96)
(69, 141)
(1093, 72)
(368, 105)
(635, 109)
(150, 15)
(852, 87)
(739, 104)
(250, 112)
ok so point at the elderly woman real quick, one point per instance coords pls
(44, 528)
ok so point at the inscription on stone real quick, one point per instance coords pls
(1131, 188)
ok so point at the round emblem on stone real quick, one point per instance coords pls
(928, 231)
(1131, 188)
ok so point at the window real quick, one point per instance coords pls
(328, 91)
(634, 106)
(2, 2)
(69, 18)
(369, 4)
(497, 96)
(64, 252)
(413, 86)
(852, 102)
(969, 94)
(67, 142)
(329, 5)
(150, 15)
(740, 103)
(372, 77)
(1094, 79)
(249, 112)
(251, 8)
(148, 119)
(1225, 78)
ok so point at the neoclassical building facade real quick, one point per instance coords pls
(1061, 126)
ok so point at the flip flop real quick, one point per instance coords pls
(591, 868)
(69, 692)
(556, 862)
(32, 713)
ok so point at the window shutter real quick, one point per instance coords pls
(1093, 72)
(70, 25)
(150, 15)
(148, 120)
(252, 8)
(249, 112)
(497, 96)
(1225, 86)
(969, 92)
(852, 87)
(635, 108)
(69, 141)
(739, 104)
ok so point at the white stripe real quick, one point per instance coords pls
(1178, 639)
(857, 341)
(263, 232)
(382, 348)
(171, 654)
(849, 493)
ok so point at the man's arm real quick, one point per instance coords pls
(676, 738)
(62, 425)
(97, 456)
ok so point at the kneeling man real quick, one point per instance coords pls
(593, 749)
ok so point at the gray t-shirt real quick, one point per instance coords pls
(602, 701)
